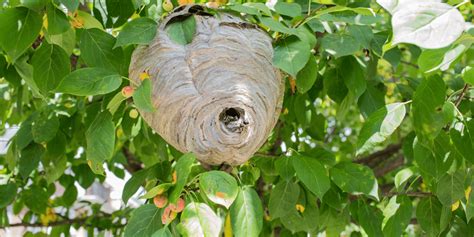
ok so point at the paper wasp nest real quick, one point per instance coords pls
(218, 96)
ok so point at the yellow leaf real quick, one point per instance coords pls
(184, 2)
(292, 84)
(174, 177)
(144, 75)
(228, 227)
(300, 208)
(45, 22)
(467, 193)
(455, 206)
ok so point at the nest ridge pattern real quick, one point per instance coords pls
(218, 96)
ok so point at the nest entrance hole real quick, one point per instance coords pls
(233, 119)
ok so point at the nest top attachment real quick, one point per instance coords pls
(214, 88)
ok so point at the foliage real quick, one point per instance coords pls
(374, 138)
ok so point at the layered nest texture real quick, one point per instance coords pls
(219, 96)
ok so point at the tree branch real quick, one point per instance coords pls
(375, 158)
(390, 166)
(133, 165)
(79, 221)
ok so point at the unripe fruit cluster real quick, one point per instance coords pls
(171, 211)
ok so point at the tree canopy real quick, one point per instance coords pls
(373, 139)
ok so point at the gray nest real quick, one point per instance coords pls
(218, 96)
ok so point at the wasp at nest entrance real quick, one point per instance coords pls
(233, 119)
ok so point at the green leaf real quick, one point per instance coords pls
(115, 103)
(57, 20)
(219, 187)
(69, 196)
(313, 174)
(283, 198)
(44, 127)
(182, 31)
(431, 60)
(428, 214)
(428, 25)
(142, 96)
(401, 217)
(372, 100)
(71, 5)
(354, 76)
(8, 193)
(50, 65)
(259, 6)
(97, 50)
(334, 84)
(284, 167)
(370, 218)
(66, 40)
(20, 27)
(288, 9)
(144, 221)
(431, 166)
(133, 184)
(275, 25)
(25, 70)
(243, 9)
(463, 143)
(246, 213)
(402, 177)
(355, 179)
(428, 101)
(339, 44)
(29, 159)
(90, 81)
(182, 169)
(291, 55)
(88, 20)
(165, 232)
(118, 12)
(379, 126)
(198, 219)
(36, 199)
(139, 31)
(306, 221)
(307, 76)
(450, 188)
(363, 34)
(468, 75)
(100, 138)
(157, 190)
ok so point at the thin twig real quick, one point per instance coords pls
(461, 96)
(410, 64)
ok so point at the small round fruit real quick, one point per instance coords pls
(167, 5)
(168, 216)
(133, 113)
(178, 206)
(160, 201)
(127, 91)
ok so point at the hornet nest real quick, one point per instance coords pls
(219, 96)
